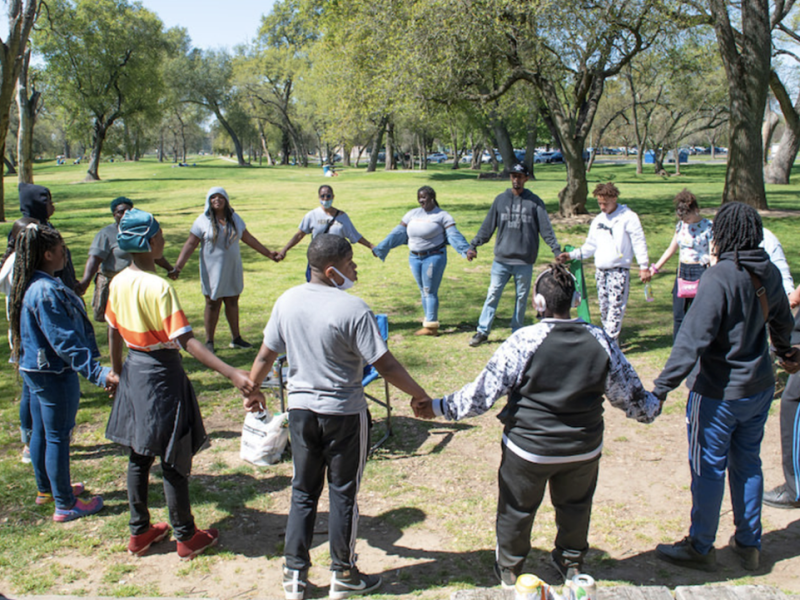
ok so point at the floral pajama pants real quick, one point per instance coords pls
(613, 286)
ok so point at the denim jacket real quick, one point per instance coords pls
(399, 236)
(56, 334)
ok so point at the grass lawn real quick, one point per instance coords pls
(427, 500)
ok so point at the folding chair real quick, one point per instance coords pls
(370, 375)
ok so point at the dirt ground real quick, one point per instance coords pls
(642, 499)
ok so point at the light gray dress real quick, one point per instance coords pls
(221, 273)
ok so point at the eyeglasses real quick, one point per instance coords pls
(326, 196)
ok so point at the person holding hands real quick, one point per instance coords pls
(328, 337)
(218, 231)
(155, 411)
(553, 422)
(615, 236)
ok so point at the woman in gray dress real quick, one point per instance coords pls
(218, 231)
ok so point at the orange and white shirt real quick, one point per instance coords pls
(145, 309)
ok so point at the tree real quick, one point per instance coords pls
(21, 17)
(28, 108)
(744, 37)
(102, 57)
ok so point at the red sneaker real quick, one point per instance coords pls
(200, 542)
(139, 544)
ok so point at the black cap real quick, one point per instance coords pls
(519, 168)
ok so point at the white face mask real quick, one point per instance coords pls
(326, 203)
(346, 284)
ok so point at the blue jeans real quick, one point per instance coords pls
(25, 418)
(726, 435)
(54, 404)
(501, 273)
(428, 272)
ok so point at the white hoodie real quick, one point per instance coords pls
(613, 240)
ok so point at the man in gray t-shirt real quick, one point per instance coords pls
(328, 337)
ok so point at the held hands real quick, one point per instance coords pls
(563, 258)
(279, 256)
(794, 298)
(254, 402)
(645, 275)
(791, 362)
(472, 254)
(112, 381)
(174, 274)
(241, 379)
(423, 408)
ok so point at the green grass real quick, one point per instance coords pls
(406, 475)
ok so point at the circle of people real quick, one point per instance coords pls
(732, 273)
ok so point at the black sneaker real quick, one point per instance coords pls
(210, 346)
(780, 497)
(683, 554)
(351, 583)
(478, 339)
(750, 555)
(566, 568)
(240, 344)
(507, 577)
(294, 583)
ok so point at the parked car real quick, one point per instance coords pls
(520, 155)
(437, 157)
(541, 157)
(488, 157)
(555, 157)
(467, 158)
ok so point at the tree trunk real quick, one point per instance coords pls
(771, 121)
(98, 138)
(572, 199)
(27, 107)
(779, 171)
(11, 170)
(389, 165)
(531, 140)
(454, 142)
(747, 67)
(504, 145)
(376, 147)
(237, 144)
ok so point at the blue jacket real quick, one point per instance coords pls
(56, 334)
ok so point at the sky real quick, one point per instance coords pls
(213, 24)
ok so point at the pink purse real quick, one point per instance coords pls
(687, 289)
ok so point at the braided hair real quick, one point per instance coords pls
(557, 285)
(31, 244)
(737, 226)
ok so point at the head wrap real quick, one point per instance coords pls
(33, 201)
(121, 200)
(211, 192)
(135, 230)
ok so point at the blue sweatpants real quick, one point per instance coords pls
(726, 435)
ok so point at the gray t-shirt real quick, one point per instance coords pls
(328, 337)
(221, 271)
(317, 220)
(426, 229)
(105, 247)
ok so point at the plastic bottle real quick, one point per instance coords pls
(648, 292)
(530, 587)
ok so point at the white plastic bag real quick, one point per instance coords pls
(264, 438)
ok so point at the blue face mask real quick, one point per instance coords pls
(326, 203)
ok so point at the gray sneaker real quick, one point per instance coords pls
(478, 339)
(294, 583)
(507, 577)
(565, 567)
(210, 346)
(351, 583)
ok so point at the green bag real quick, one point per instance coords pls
(576, 268)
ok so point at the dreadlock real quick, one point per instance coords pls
(230, 229)
(430, 191)
(737, 227)
(32, 242)
(557, 285)
(18, 226)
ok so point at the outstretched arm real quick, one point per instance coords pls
(92, 264)
(291, 244)
(188, 248)
(395, 373)
(249, 239)
(207, 358)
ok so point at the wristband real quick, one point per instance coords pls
(654, 269)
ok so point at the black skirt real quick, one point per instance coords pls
(155, 409)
